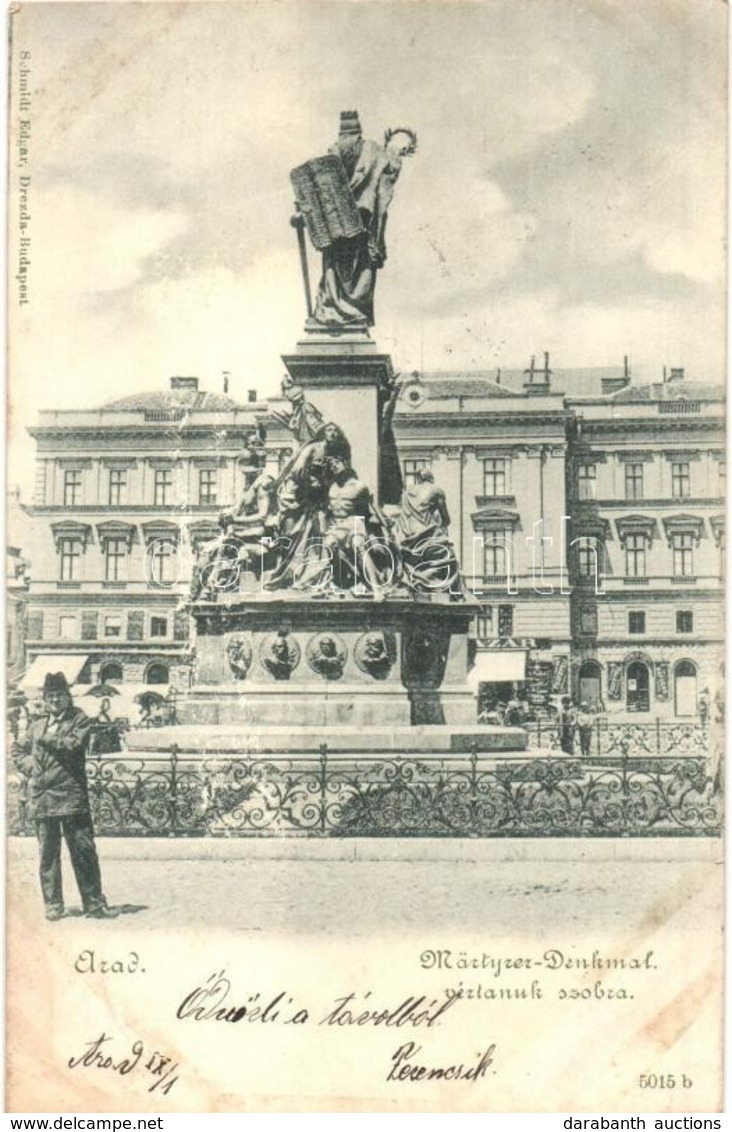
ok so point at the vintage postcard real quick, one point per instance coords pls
(364, 581)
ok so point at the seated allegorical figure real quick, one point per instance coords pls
(421, 533)
(244, 526)
(302, 504)
(356, 546)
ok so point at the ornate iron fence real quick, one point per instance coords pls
(333, 794)
(606, 737)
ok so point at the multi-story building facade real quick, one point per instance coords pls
(122, 496)
(587, 512)
(647, 494)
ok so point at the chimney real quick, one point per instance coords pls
(498, 376)
(615, 384)
(226, 380)
(538, 381)
(676, 374)
(188, 383)
(251, 395)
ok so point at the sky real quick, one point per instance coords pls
(567, 193)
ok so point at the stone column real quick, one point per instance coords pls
(346, 379)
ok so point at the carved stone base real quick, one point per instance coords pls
(291, 660)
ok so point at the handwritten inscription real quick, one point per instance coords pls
(405, 1068)
(89, 962)
(213, 1002)
(100, 1054)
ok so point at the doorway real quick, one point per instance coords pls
(685, 689)
(637, 687)
(589, 684)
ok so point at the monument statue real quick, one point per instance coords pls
(302, 503)
(304, 419)
(244, 528)
(344, 199)
(356, 535)
(421, 533)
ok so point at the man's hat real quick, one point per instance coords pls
(55, 682)
(350, 124)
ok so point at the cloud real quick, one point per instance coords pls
(90, 245)
(567, 194)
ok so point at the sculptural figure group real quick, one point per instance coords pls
(317, 527)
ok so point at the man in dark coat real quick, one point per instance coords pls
(53, 755)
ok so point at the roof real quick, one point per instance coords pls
(172, 400)
(586, 381)
(589, 382)
(670, 391)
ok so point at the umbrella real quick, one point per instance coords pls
(148, 700)
(100, 690)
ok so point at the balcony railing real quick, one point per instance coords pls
(679, 407)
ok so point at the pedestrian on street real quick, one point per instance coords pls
(702, 707)
(53, 756)
(585, 722)
(514, 716)
(566, 726)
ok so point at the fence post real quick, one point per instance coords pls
(473, 788)
(323, 784)
(173, 790)
(658, 736)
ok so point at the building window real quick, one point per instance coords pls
(684, 621)
(70, 551)
(721, 478)
(157, 674)
(117, 487)
(505, 621)
(588, 620)
(163, 487)
(683, 554)
(113, 625)
(72, 488)
(680, 481)
(587, 481)
(158, 626)
(411, 467)
(588, 558)
(635, 556)
(495, 553)
(484, 623)
(207, 486)
(115, 560)
(494, 477)
(67, 627)
(110, 673)
(633, 481)
(163, 563)
(636, 622)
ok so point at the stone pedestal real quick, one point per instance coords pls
(347, 380)
(289, 659)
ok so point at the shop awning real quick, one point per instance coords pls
(70, 665)
(498, 666)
